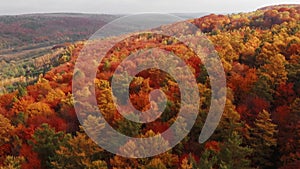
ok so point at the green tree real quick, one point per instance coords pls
(263, 140)
(233, 155)
(46, 141)
(263, 88)
(208, 159)
(79, 152)
(128, 127)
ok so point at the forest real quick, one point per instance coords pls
(259, 128)
(31, 44)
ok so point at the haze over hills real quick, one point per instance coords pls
(24, 39)
(32, 31)
(27, 41)
(38, 32)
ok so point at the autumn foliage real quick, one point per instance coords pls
(260, 127)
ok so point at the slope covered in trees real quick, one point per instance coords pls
(31, 44)
(23, 32)
(260, 126)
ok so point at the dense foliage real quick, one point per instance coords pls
(260, 126)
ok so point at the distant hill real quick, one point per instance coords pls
(31, 38)
(23, 36)
(190, 15)
(33, 31)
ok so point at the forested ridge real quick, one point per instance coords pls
(260, 126)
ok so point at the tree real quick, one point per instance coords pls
(6, 134)
(46, 141)
(39, 108)
(263, 88)
(229, 154)
(130, 149)
(290, 135)
(275, 69)
(155, 163)
(233, 154)
(54, 96)
(5, 130)
(209, 158)
(241, 81)
(230, 122)
(129, 127)
(263, 140)
(7, 100)
(31, 159)
(53, 120)
(39, 90)
(12, 162)
(79, 152)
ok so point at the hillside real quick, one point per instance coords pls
(27, 38)
(24, 32)
(260, 53)
(24, 39)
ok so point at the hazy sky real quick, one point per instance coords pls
(133, 6)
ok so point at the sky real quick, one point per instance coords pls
(12, 7)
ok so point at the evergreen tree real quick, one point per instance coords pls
(263, 140)
(46, 141)
(128, 127)
(208, 159)
(233, 155)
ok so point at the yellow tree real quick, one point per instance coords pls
(79, 152)
(12, 162)
(5, 130)
(39, 108)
